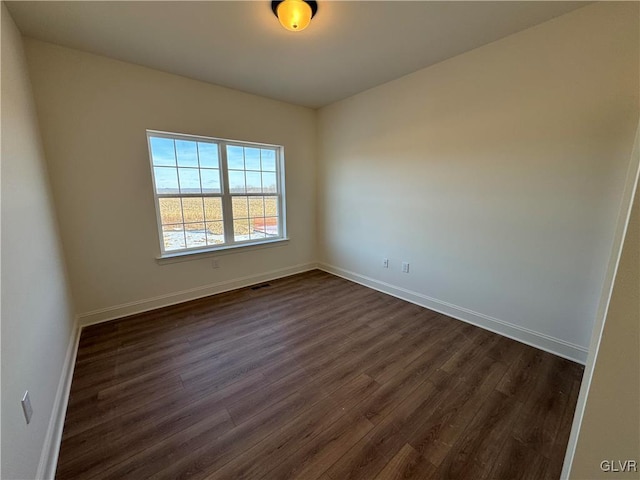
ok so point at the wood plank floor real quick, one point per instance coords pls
(312, 377)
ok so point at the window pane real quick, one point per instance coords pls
(256, 227)
(208, 153)
(196, 236)
(269, 183)
(173, 236)
(212, 209)
(236, 182)
(271, 206)
(270, 226)
(240, 207)
(189, 180)
(192, 210)
(266, 226)
(162, 151)
(215, 233)
(210, 181)
(187, 153)
(254, 182)
(170, 210)
(235, 158)
(252, 159)
(241, 230)
(256, 207)
(166, 180)
(268, 160)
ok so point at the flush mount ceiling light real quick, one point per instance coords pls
(294, 15)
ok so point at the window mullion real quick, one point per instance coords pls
(184, 227)
(204, 210)
(227, 208)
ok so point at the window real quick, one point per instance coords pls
(212, 193)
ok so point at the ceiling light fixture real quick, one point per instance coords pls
(294, 15)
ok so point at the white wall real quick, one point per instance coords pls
(36, 315)
(606, 424)
(610, 427)
(94, 112)
(497, 174)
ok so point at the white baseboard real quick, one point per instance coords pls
(140, 306)
(51, 447)
(544, 342)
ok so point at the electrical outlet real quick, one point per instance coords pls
(215, 263)
(26, 407)
(385, 263)
(405, 267)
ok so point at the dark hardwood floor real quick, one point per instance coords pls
(312, 377)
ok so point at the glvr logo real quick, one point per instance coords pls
(619, 466)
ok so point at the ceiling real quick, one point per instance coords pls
(349, 46)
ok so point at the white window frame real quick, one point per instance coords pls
(225, 195)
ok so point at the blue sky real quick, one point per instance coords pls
(249, 168)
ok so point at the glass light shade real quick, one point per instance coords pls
(294, 15)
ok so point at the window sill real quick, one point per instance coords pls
(225, 250)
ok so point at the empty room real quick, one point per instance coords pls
(320, 240)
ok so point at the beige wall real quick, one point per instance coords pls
(610, 427)
(497, 174)
(36, 312)
(94, 112)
